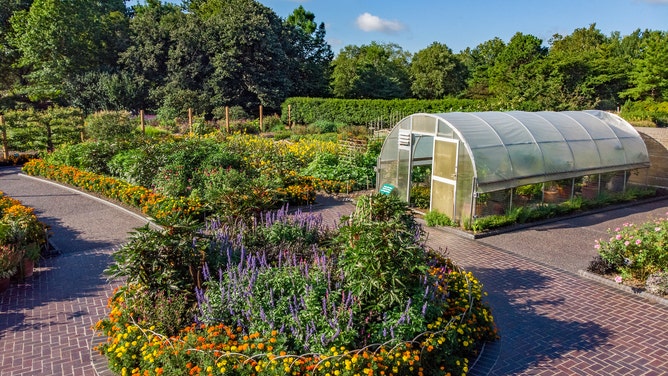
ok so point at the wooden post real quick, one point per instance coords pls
(227, 119)
(190, 120)
(5, 152)
(141, 121)
(261, 123)
(289, 115)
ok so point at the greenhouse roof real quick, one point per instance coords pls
(515, 148)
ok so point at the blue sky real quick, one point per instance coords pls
(415, 24)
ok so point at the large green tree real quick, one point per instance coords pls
(576, 68)
(478, 62)
(59, 39)
(247, 55)
(151, 38)
(436, 72)
(515, 76)
(379, 71)
(10, 75)
(309, 55)
(649, 77)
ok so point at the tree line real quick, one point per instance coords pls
(209, 54)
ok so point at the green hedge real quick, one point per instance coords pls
(644, 112)
(366, 111)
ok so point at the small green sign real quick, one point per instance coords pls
(386, 189)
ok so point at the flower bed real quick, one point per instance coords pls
(636, 255)
(21, 235)
(155, 205)
(289, 296)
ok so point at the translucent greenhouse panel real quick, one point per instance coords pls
(442, 198)
(492, 164)
(558, 157)
(527, 160)
(585, 154)
(444, 130)
(389, 152)
(445, 159)
(594, 126)
(403, 174)
(612, 153)
(464, 185)
(474, 130)
(424, 124)
(636, 151)
(510, 130)
(540, 128)
(570, 129)
(387, 173)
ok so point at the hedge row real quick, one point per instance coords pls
(370, 111)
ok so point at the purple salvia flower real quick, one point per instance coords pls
(424, 309)
(205, 272)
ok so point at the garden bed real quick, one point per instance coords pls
(287, 295)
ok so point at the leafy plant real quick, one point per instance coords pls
(110, 125)
(637, 251)
(436, 218)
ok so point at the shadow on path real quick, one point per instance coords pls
(520, 300)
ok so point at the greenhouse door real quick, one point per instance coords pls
(444, 176)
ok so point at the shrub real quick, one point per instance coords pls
(436, 218)
(110, 125)
(420, 197)
(637, 251)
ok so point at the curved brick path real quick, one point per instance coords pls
(551, 320)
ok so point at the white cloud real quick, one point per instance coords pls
(369, 22)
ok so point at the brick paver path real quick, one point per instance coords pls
(551, 321)
(45, 321)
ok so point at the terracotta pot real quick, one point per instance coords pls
(589, 192)
(4, 284)
(550, 196)
(27, 268)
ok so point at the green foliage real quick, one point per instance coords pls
(161, 260)
(420, 197)
(436, 218)
(379, 252)
(365, 111)
(650, 69)
(58, 39)
(89, 156)
(110, 126)
(436, 72)
(324, 126)
(31, 130)
(637, 251)
(648, 110)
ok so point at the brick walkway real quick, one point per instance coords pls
(551, 320)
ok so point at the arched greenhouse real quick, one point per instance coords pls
(480, 163)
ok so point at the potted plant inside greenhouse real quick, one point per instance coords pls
(590, 187)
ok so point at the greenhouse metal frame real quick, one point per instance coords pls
(477, 157)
